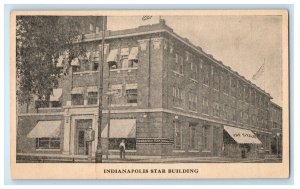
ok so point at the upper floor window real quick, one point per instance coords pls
(92, 98)
(178, 97)
(205, 105)
(131, 95)
(194, 70)
(193, 102)
(205, 74)
(77, 97)
(178, 67)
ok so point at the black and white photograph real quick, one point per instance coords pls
(178, 88)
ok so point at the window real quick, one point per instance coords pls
(194, 71)
(124, 61)
(206, 138)
(75, 68)
(47, 143)
(130, 143)
(77, 99)
(206, 74)
(56, 104)
(193, 141)
(177, 136)
(193, 102)
(41, 104)
(131, 95)
(205, 105)
(216, 80)
(92, 98)
(132, 63)
(178, 97)
(178, 66)
(117, 98)
(216, 109)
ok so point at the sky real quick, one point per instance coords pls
(242, 42)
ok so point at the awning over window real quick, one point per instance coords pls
(75, 62)
(60, 61)
(112, 57)
(131, 86)
(133, 53)
(77, 90)
(242, 136)
(92, 89)
(120, 128)
(56, 94)
(45, 129)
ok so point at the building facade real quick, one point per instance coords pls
(276, 128)
(162, 94)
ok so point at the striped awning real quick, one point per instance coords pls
(112, 57)
(92, 89)
(46, 129)
(77, 90)
(120, 128)
(133, 53)
(75, 62)
(242, 136)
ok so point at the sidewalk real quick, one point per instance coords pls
(61, 158)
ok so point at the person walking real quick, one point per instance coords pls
(122, 149)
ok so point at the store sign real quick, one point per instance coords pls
(154, 140)
(244, 135)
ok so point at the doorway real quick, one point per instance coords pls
(81, 145)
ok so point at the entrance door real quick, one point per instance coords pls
(82, 147)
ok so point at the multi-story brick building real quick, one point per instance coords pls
(165, 96)
(276, 128)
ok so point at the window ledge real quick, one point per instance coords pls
(53, 108)
(194, 80)
(123, 105)
(193, 151)
(205, 85)
(178, 74)
(85, 72)
(179, 108)
(50, 150)
(178, 151)
(206, 151)
(123, 69)
(193, 111)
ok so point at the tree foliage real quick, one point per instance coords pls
(40, 41)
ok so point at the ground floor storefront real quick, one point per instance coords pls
(145, 133)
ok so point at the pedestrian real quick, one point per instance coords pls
(122, 149)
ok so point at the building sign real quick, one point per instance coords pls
(244, 135)
(155, 140)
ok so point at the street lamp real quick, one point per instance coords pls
(278, 134)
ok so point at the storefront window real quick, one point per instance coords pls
(177, 136)
(47, 143)
(206, 138)
(193, 141)
(130, 143)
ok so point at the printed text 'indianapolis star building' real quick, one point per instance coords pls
(165, 97)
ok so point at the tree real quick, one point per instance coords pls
(40, 40)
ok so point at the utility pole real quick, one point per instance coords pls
(98, 154)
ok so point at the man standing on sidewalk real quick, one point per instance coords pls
(122, 149)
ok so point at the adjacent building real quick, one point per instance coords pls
(162, 94)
